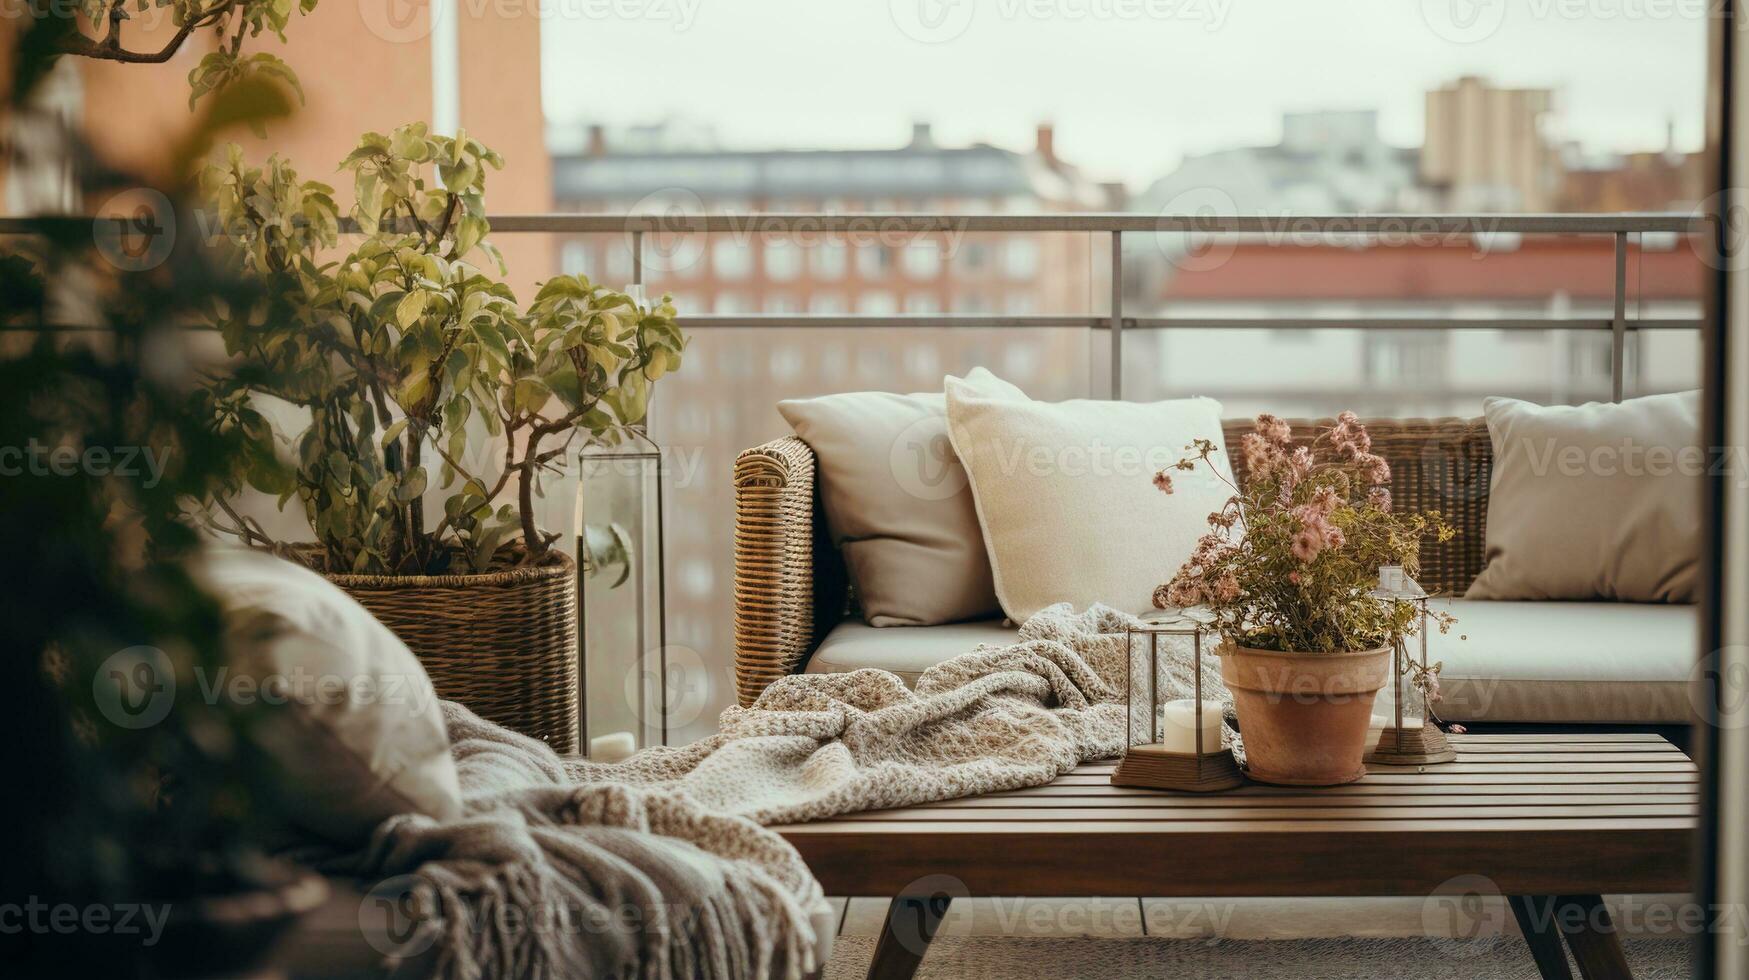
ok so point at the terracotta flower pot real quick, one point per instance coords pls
(1304, 716)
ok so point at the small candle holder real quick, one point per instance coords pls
(1152, 764)
(1403, 744)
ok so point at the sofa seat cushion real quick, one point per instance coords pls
(1609, 663)
(1599, 662)
(905, 650)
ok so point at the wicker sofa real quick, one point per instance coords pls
(1589, 663)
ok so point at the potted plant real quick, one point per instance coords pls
(415, 368)
(1288, 571)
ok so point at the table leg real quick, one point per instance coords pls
(1536, 919)
(910, 925)
(1594, 939)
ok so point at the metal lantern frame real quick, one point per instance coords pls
(1399, 744)
(1149, 765)
(646, 453)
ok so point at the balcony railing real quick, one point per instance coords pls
(1387, 227)
(1383, 227)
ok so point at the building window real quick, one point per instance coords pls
(729, 302)
(922, 303)
(874, 261)
(1020, 261)
(827, 303)
(574, 259)
(1017, 303)
(782, 303)
(786, 363)
(616, 265)
(783, 260)
(974, 256)
(922, 260)
(835, 363)
(830, 259)
(1416, 357)
(877, 302)
(731, 259)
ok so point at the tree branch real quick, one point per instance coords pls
(109, 47)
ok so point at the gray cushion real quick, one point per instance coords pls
(1594, 501)
(898, 504)
(905, 650)
(1613, 662)
(1542, 662)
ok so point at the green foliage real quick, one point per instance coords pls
(399, 346)
(116, 813)
(1291, 561)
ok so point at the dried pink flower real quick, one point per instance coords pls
(1163, 481)
(1227, 587)
(1380, 498)
(1376, 470)
(1334, 538)
(1183, 593)
(1275, 430)
(1301, 462)
(1307, 543)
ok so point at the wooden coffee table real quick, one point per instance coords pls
(1551, 822)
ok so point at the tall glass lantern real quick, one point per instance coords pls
(621, 619)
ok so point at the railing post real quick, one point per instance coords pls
(1619, 323)
(637, 258)
(1116, 315)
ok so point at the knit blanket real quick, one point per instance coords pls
(662, 866)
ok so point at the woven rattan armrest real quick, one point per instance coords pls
(788, 579)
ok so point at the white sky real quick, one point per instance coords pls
(1131, 85)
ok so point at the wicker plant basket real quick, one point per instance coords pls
(503, 643)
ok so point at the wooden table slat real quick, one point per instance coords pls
(1215, 801)
(1368, 787)
(1536, 814)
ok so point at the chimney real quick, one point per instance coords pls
(597, 140)
(1046, 147)
(921, 139)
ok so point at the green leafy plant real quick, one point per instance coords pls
(397, 347)
(1292, 559)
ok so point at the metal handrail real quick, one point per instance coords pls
(919, 223)
(1453, 224)
(1619, 226)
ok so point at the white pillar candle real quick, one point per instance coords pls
(613, 747)
(1177, 723)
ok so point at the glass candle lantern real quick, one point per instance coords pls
(1174, 744)
(1408, 736)
(621, 621)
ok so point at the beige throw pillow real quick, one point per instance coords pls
(1595, 501)
(898, 504)
(1066, 499)
(351, 717)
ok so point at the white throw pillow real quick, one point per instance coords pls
(1594, 501)
(353, 720)
(1066, 499)
(898, 504)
